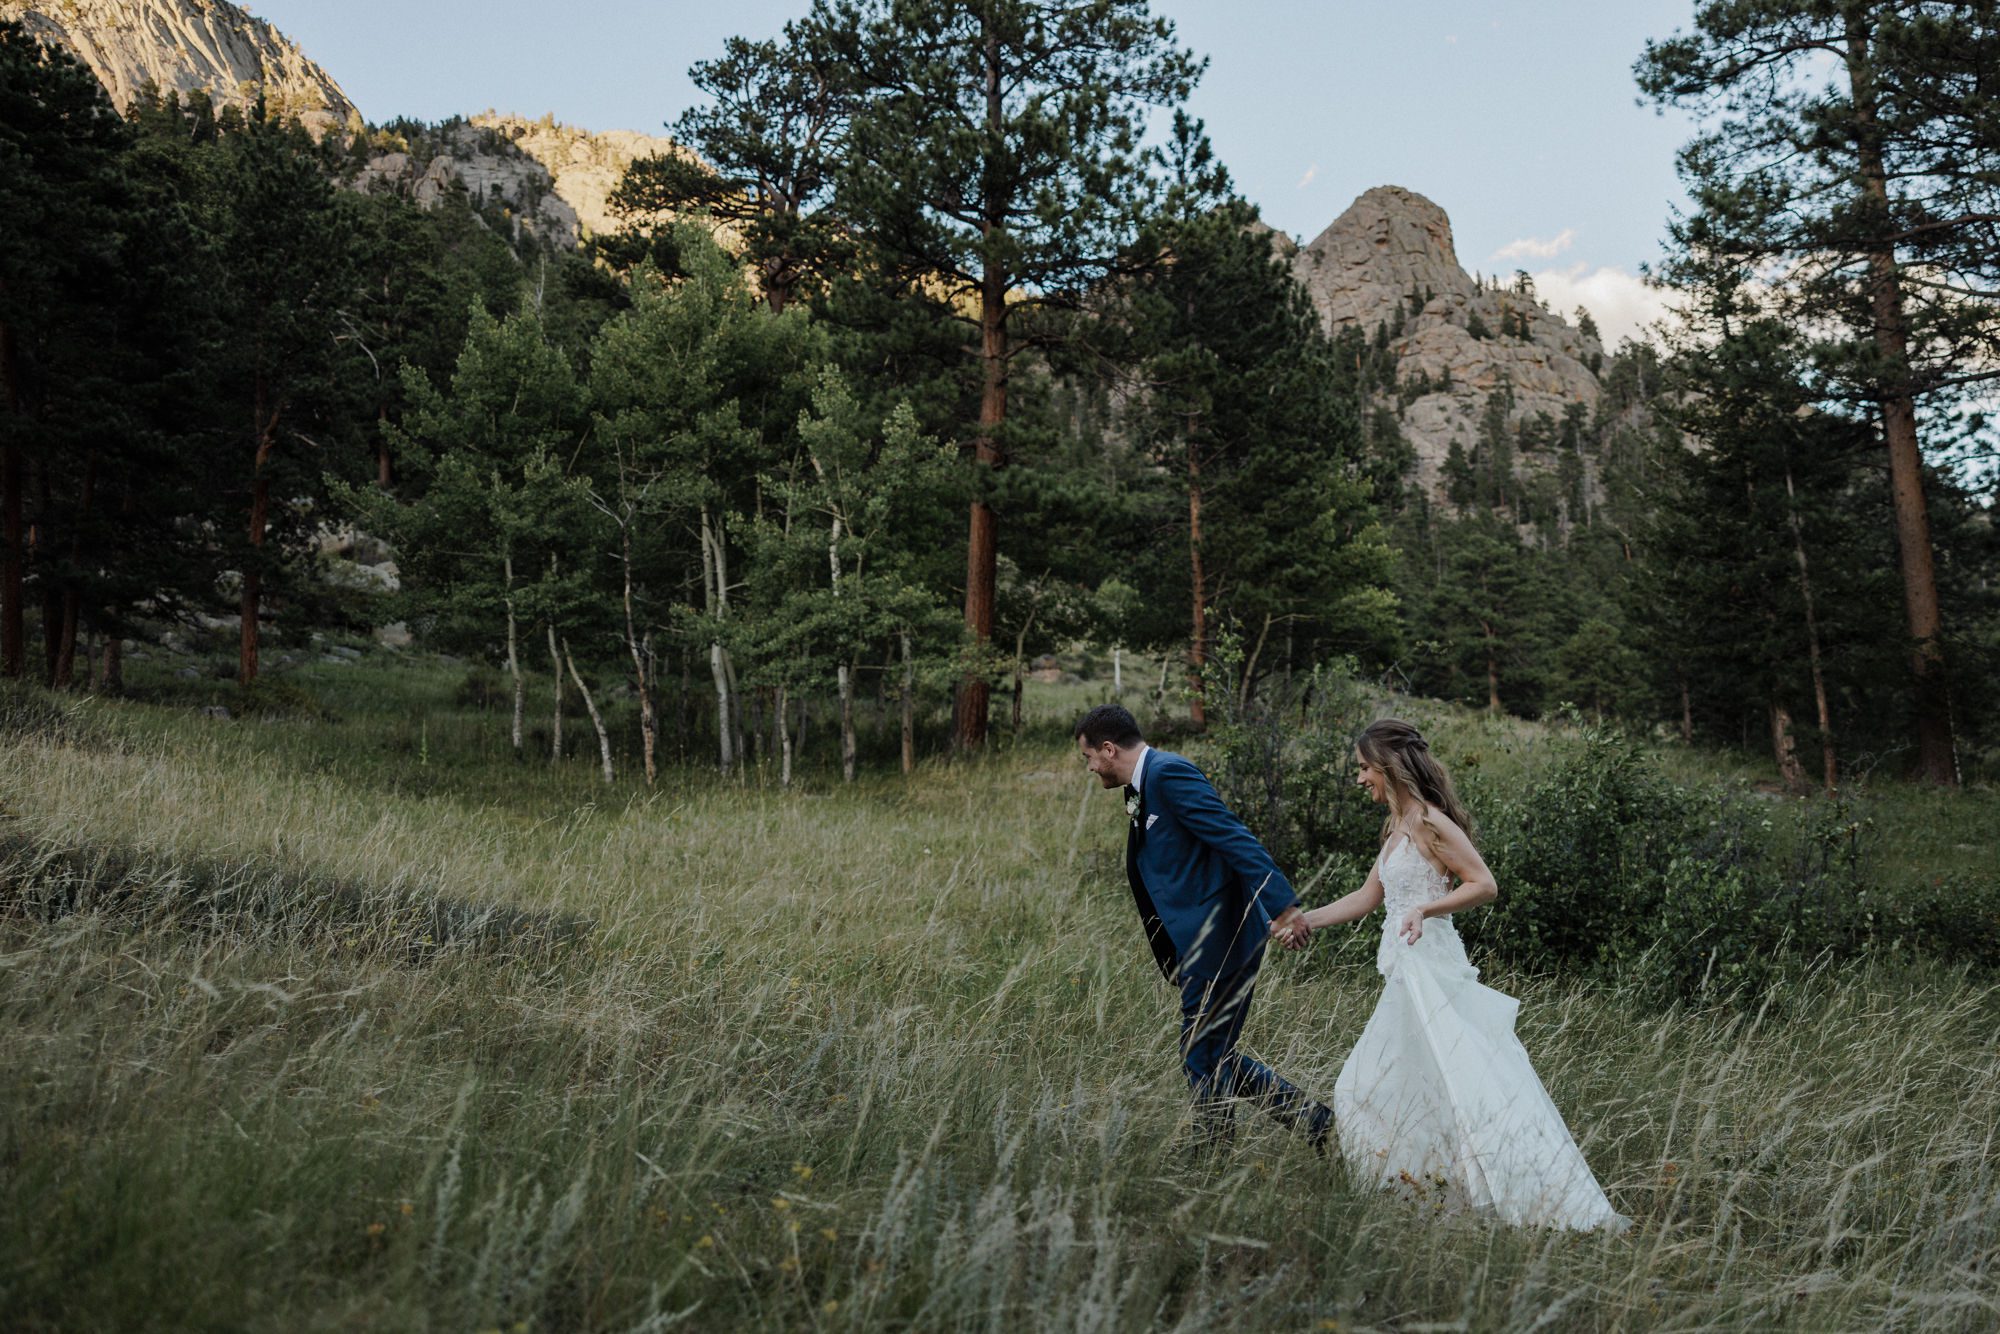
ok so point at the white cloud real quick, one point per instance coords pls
(1529, 247)
(1621, 303)
(1307, 179)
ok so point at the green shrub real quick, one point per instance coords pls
(1608, 867)
(1284, 760)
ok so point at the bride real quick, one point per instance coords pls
(1437, 1099)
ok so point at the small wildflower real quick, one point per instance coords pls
(802, 1171)
(830, 1233)
(706, 1243)
(789, 1265)
(377, 1229)
(406, 1208)
(829, 1306)
(780, 1202)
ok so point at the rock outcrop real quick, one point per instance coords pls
(551, 181)
(1389, 261)
(188, 46)
(584, 165)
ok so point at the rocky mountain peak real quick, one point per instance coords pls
(1389, 262)
(188, 46)
(1390, 243)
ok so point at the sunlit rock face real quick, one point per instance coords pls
(188, 46)
(541, 178)
(1393, 247)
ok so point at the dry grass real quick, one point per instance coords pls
(847, 1059)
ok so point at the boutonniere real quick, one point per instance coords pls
(1132, 807)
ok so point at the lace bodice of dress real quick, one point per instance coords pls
(1408, 881)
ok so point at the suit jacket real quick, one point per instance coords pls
(1206, 889)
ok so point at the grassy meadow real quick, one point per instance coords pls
(345, 1020)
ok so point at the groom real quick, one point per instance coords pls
(1209, 896)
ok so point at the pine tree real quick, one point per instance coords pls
(61, 192)
(993, 170)
(770, 141)
(1869, 192)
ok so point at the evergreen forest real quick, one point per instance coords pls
(820, 454)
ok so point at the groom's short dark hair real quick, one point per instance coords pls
(1108, 722)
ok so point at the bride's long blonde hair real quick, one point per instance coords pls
(1404, 758)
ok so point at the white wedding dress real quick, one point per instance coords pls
(1437, 1100)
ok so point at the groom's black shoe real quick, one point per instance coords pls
(1319, 1128)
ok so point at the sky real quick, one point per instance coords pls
(1519, 119)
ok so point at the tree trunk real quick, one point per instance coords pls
(72, 598)
(1198, 649)
(13, 538)
(265, 422)
(1687, 712)
(1117, 671)
(1937, 760)
(1786, 749)
(1829, 762)
(41, 546)
(596, 718)
(845, 674)
(909, 707)
(514, 655)
(1020, 664)
(1492, 669)
(111, 666)
(784, 741)
(1250, 667)
(13, 567)
(714, 586)
(641, 660)
(556, 714)
(52, 612)
(982, 542)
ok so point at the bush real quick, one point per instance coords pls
(1609, 868)
(482, 689)
(1284, 760)
(1606, 866)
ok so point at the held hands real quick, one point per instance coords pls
(1290, 929)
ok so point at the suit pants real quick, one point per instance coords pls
(1212, 1015)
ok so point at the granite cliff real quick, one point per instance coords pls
(553, 180)
(1389, 261)
(188, 46)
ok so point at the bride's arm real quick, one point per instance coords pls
(1348, 907)
(1454, 851)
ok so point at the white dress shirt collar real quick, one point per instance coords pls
(1139, 767)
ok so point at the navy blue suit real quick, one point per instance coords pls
(1207, 893)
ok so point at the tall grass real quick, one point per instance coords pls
(292, 1039)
